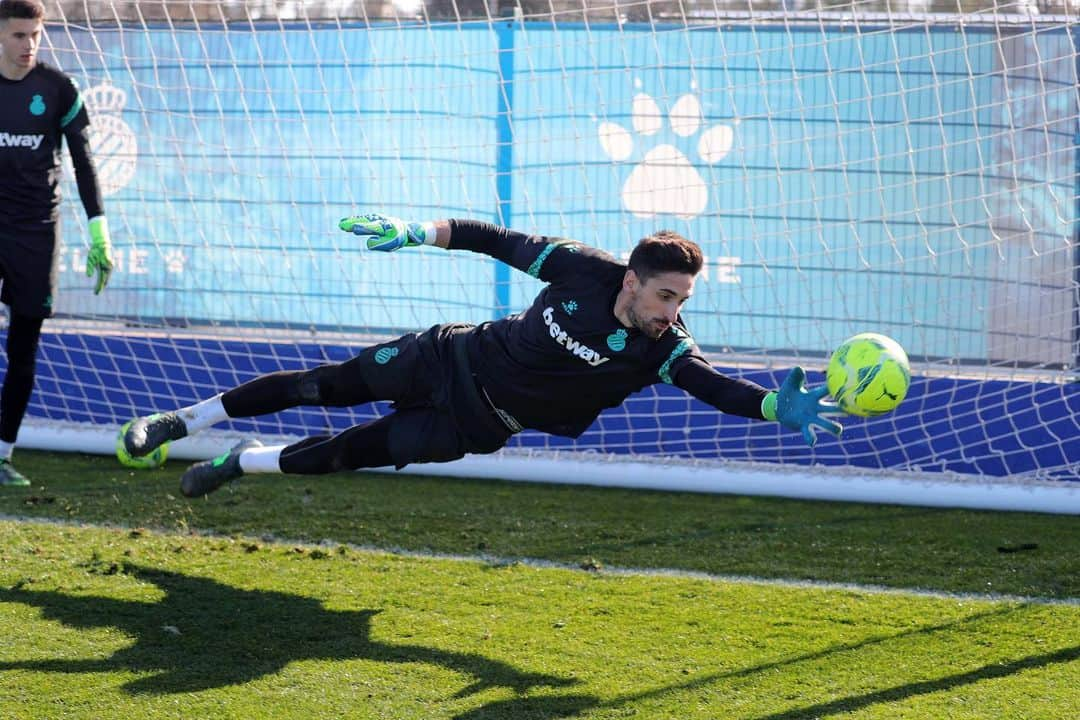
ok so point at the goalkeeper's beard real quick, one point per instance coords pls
(652, 328)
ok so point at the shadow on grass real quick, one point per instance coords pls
(948, 682)
(204, 634)
(573, 705)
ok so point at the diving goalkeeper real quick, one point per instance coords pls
(599, 331)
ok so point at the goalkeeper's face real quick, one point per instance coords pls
(21, 38)
(652, 306)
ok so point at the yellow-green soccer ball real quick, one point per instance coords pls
(147, 462)
(868, 375)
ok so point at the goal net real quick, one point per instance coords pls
(903, 169)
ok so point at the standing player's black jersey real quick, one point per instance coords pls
(36, 113)
(558, 364)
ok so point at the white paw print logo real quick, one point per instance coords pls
(665, 181)
(174, 261)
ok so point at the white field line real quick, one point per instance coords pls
(495, 560)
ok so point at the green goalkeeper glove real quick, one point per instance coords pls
(100, 258)
(386, 234)
(797, 408)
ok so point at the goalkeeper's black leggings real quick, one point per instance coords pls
(24, 332)
(438, 412)
(338, 385)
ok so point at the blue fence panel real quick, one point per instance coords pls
(994, 428)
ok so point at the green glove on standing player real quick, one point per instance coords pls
(99, 260)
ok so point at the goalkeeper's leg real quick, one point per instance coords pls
(24, 333)
(334, 385)
(368, 376)
(435, 420)
(397, 439)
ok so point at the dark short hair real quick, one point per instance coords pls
(663, 252)
(22, 9)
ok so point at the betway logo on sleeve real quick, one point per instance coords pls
(572, 346)
(20, 141)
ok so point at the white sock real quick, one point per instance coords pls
(6, 449)
(261, 459)
(203, 414)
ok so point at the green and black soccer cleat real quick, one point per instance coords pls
(207, 476)
(10, 477)
(150, 432)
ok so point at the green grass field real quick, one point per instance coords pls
(291, 597)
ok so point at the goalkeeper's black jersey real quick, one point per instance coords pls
(558, 364)
(36, 113)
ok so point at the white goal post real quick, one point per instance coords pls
(845, 169)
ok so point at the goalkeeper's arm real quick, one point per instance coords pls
(532, 254)
(792, 405)
(99, 259)
(387, 234)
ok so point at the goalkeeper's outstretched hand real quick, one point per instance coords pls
(386, 234)
(800, 409)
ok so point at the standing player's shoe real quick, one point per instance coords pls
(10, 477)
(207, 476)
(147, 433)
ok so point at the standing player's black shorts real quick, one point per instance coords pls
(440, 411)
(28, 270)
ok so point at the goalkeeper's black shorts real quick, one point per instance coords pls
(440, 410)
(28, 269)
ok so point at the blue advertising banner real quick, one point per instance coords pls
(895, 181)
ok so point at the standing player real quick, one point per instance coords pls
(599, 331)
(39, 108)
